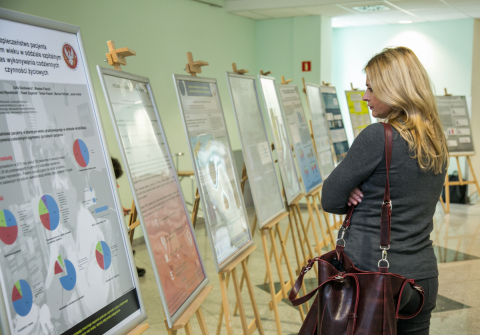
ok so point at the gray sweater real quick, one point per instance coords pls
(414, 193)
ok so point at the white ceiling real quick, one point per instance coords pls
(343, 15)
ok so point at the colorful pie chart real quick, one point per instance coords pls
(22, 297)
(80, 151)
(8, 227)
(49, 213)
(68, 275)
(103, 255)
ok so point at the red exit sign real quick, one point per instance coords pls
(306, 66)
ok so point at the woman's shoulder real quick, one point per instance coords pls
(374, 133)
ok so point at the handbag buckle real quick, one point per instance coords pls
(418, 288)
(341, 237)
(389, 203)
(384, 256)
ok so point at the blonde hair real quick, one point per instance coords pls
(399, 80)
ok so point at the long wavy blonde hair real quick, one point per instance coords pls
(399, 80)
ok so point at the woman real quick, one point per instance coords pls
(398, 90)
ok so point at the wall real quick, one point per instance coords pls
(161, 32)
(476, 98)
(444, 48)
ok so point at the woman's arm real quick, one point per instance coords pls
(366, 152)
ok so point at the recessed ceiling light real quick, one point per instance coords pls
(374, 8)
(404, 22)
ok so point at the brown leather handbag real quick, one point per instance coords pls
(351, 301)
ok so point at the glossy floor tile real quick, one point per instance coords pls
(457, 246)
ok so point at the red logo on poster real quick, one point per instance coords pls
(69, 56)
(306, 66)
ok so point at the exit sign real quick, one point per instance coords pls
(306, 66)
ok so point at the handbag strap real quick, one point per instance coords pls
(385, 219)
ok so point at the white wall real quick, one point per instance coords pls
(444, 47)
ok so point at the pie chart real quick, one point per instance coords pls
(103, 254)
(49, 213)
(8, 227)
(80, 151)
(22, 297)
(68, 275)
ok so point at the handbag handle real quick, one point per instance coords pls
(385, 219)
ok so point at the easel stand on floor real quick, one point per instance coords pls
(231, 269)
(460, 181)
(116, 58)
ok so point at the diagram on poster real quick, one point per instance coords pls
(300, 136)
(335, 122)
(160, 205)
(262, 174)
(51, 150)
(222, 200)
(358, 110)
(453, 112)
(320, 130)
(286, 164)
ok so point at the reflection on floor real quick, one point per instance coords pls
(457, 246)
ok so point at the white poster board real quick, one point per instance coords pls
(453, 113)
(300, 137)
(286, 164)
(212, 158)
(335, 122)
(65, 261)
(171, 242)
(257, 155)
(321, 132)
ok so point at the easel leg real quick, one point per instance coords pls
(201, 321)
(220, 316)
(309, 246)
(277, 261)
(473, 174)
(443, 204)
(327, 221)
(196, 204)
(305, 257)
(447, 194)
(226, 308)
(291, 210)
(289, 268)
(318, 245)
(270, 282)
(241, 308)
(256, 313)
(188, 329)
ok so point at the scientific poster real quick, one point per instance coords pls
(161, 208)
(455, 121)
(300, 136)
(335, 122)
(358, 110)
(220, 193)
(261, 171)
(321, 132)
(65, 264)
(286, 164)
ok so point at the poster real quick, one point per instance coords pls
(300, 136)
(171, 241)
(286, 164)
(321, 132)
(358, 110)
(335, 122)
(455, 121)
(65, 261)
(261, 171)
(210, 150)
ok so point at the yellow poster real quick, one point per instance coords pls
(358, 110)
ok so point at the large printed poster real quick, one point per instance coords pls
(286, 164)
(358, 110)
(320, 130)
(455, 121)
(335, 122)
(300, 136)
(161, 208)
(220, 193)
(64, 267)
(256, 149)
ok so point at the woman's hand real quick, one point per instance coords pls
(355, 197)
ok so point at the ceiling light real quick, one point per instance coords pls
(374, 8)
(404, 22)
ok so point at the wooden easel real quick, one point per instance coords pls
(265, 73)
(231, 269)
(353, 88)
(116, 58)
(285, 82)
(461, 182)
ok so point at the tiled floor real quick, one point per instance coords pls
(457, 243)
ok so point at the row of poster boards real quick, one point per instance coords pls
(66, 263)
